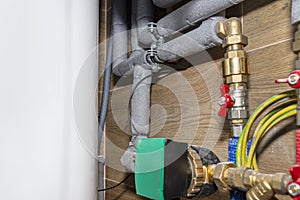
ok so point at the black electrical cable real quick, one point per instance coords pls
(100, 190)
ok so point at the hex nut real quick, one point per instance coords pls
(238, 78)
(235, 39)
(219, 176)
(238, 114)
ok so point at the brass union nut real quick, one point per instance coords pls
(235, 39)
(220, 175)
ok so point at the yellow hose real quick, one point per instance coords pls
(271, 122)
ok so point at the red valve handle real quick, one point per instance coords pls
(293, 186)
(226, 99)
(293, 80)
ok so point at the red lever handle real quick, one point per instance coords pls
(292, 80)
(293, 186)
(226, 100)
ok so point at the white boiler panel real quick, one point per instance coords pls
(48, 81)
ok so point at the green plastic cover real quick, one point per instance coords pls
(149, 168)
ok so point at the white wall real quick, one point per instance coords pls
(48, 125)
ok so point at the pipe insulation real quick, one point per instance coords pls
(295, 11)
(133, 31)
(166, 3)
(191, 13)
(199, 39)
(140, 104)
(126, 66)
(145, 14)
(140, 113)
(119, 29)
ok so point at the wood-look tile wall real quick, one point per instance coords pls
(184, 104)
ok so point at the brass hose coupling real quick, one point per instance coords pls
(235, 71)
(260, 186)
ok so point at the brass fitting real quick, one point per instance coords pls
(235, 71)
(262, 191)
(198, 175)
(220, 175)
(235, 65)
(261, 186)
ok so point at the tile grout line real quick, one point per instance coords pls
(269, 45)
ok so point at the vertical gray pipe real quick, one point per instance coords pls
(140, 113)
(191, 13)
(119, 29)
(166, 3)
(295, 11)
(140, 104)
(134, 31)
(145, 14)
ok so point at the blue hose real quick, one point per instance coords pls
(236, 194)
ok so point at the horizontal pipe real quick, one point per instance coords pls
(199, 39)
(191, 13)
(166, 3)
(295, 11)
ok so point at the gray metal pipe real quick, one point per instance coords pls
(119, 29)
(145, 14)
(191, 13)
(295, 11)
(199, 39)
(166, 3)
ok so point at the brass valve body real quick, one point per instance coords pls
(235, 65)
(235, 71)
